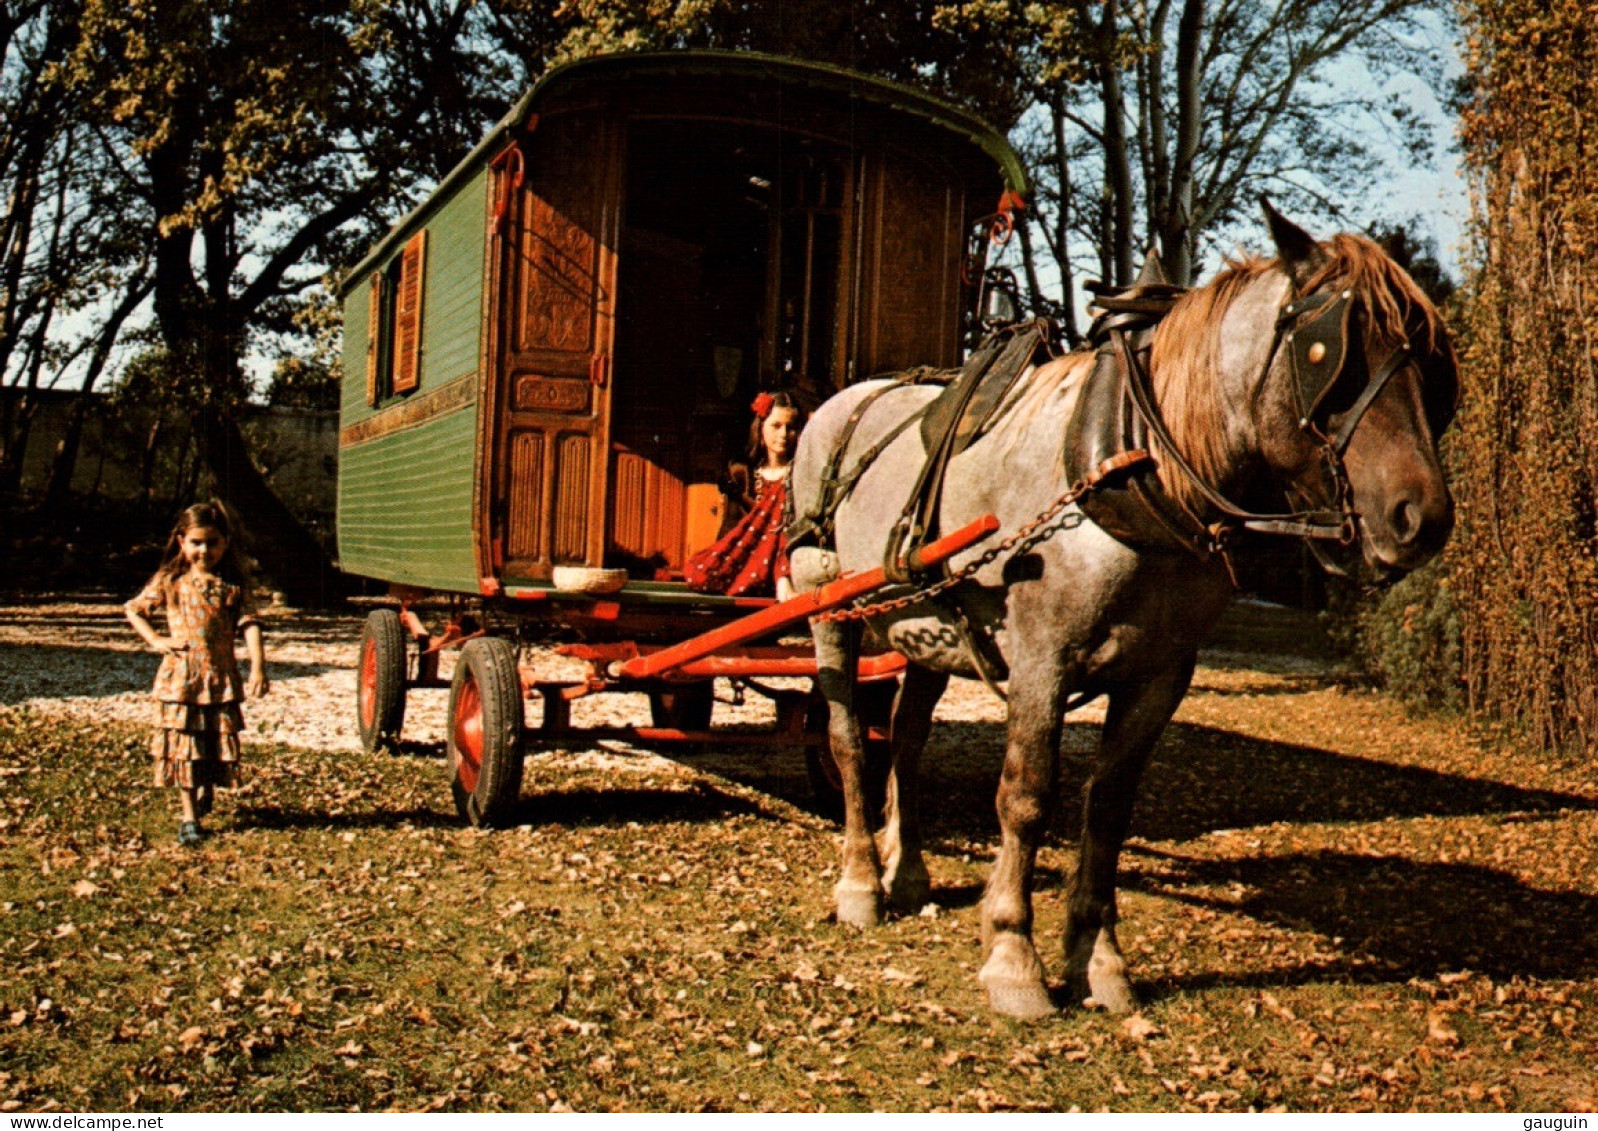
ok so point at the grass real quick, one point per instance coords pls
(1329, 906)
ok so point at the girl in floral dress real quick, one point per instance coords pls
(751, 559)
(204, 587)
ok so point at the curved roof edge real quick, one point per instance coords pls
(883, 92)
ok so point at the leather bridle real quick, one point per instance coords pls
(1315, 329)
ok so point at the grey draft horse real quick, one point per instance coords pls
(1086, 613)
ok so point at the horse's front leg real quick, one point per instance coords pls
(1134, 720)
(905, 881)
(1013, 973)
(859, 891)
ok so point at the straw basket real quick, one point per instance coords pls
(585, 579)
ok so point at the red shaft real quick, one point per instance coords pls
(795, 609)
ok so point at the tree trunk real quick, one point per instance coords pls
(1117, 152)
(1176, 236)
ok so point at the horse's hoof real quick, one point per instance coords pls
(1025, 1001)
(861, 909)
(907, 893)
(1111, 992)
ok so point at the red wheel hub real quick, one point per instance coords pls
(469, 734)
(366, 689)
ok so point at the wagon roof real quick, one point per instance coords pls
(753, 65)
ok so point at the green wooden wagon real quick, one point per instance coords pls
(549, 363)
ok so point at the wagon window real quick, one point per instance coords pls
(394, 334)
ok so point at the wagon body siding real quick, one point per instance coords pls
(406, 505)
(407, 465)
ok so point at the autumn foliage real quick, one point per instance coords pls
(1527, 444)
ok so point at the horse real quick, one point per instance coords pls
(1101, 602)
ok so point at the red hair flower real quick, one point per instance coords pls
(763, 405)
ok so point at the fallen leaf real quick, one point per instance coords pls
(1140, 1028)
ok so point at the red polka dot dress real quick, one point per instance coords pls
(749, 558)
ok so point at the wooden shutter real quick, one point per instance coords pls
(408, 315)
(374, 338)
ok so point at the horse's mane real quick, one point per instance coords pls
(1186, 348)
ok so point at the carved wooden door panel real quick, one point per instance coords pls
(556, 311)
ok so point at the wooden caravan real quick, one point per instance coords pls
(551, 361)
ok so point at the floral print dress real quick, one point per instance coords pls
(749, 558)
(198, 689)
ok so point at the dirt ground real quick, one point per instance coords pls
(1328, 905)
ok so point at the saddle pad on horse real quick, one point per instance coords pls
(963, 411)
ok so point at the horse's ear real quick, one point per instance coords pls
(1301, 256)
(1152, 273)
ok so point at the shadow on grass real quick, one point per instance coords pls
(281, 817)
(1398, 918)
(587, 808)
(1203, 779)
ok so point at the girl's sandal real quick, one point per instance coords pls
(189, 833)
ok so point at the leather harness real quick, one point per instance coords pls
(1115, 424)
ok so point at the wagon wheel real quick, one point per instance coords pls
(874, 701)
(683, 706)
(485, 732)
(380, 681)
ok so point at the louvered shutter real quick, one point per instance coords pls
(408, 315)
(374, 338)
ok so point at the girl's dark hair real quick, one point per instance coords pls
(235, 564)
(778, 400)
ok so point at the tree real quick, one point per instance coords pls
(1162, 120)
(257, 143)
(1525, 556)
(904, 40)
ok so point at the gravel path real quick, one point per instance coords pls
(77, 654)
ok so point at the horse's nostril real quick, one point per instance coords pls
(1405, 520)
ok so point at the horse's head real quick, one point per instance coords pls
(1354, 398)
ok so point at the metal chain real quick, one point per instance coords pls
(1045, 526)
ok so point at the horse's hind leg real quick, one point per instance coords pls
(905, 882)
(859, 891)
(1095, 969)
(1013, 973)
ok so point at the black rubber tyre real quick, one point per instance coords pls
(485, 732)
(380, 681)
(874, 702)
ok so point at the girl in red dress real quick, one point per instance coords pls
(751, 559)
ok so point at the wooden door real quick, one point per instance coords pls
(556, 315)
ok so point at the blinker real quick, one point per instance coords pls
(1318, 346)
